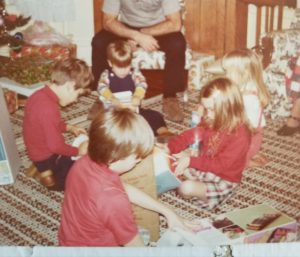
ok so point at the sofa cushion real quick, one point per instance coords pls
(155, 60)
(286, 45)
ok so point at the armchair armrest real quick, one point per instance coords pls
(279, 46)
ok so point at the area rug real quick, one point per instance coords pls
(30, 214)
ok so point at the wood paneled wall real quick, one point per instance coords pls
(97, 15)
(202, 23)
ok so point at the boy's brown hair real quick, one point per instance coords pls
(72, 69)
(119, 53)
(228, 104)
(117, 133)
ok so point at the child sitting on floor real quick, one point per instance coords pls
(244, 67)
(224, 136)
(96, 210)
(43, 126)
(120, 78)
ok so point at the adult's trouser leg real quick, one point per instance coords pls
(174, 46)
(99, 60)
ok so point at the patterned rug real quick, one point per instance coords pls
(30, 214)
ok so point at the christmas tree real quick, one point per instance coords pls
(8, 23)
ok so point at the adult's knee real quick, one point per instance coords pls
(176, 43)
(102, 39)
(175, 46)
(98, 41)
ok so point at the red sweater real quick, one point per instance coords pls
(43, 127)
(96, 210)
(223, 154)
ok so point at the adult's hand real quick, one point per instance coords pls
(133, 44)
(147, 42)
(143, 39)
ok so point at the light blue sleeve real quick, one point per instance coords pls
(111, 7)
(170, 6)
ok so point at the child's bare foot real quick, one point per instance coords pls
(263, 159)
(253, 164)
(258, 160)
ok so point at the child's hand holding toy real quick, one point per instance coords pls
(136, 101)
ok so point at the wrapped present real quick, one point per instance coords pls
(142, 177)
(11, 99)
(13, 102)
(53, 52)
(27, 70)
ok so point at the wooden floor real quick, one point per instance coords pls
(155, 80)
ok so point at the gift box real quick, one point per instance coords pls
(26, 74)
(53, 52)
(142, 177)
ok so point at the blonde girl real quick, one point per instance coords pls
(244, 68)
(224, 142)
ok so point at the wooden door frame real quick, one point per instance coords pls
(97, 6)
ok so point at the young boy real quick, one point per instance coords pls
(96, 210)
(122, 77)
(43, 126)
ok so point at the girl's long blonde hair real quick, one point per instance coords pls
(244, 66)
(228, 104)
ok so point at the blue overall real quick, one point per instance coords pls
(154, 118)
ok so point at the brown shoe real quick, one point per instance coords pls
(31, 171)
(172, 109)
(46, 178)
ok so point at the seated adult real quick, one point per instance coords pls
(152, 25)
(292, 124)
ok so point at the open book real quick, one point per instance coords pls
(124, 97)
(164, 174)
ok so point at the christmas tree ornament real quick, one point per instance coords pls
(9, 22)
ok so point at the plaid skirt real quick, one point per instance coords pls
(217, 189)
